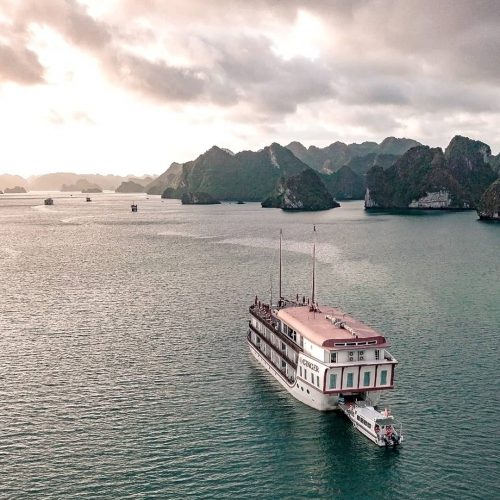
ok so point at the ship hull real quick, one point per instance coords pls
(301, 391)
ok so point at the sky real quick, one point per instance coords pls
(129, 86)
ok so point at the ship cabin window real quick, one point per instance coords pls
(333, 357)
(305, 374)
(366, 379)
(290, 332)
(283, 364)
(300, 370)
(317, 380)
(363, 421)
(312, 378)
(257, 339)
(350, 380)
(383, 377)
(377, 354)
(283, 346)
(333, 380)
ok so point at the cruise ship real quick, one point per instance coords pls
(324, 357)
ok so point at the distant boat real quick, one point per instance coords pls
(88, 198)
(48, 201)
(133, 207)
(239, 202)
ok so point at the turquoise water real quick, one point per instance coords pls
(124, 371)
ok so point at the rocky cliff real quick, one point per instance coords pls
(428, 178)
(198, 198)
(247, 175)
(130, 187)
(344, 184)
(360, 157)
(304, 191)
(489, 205)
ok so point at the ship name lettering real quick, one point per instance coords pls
(310, 365)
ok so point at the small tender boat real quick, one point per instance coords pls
(133, 207)
(48, 201)
(381, 428)
(88, 198)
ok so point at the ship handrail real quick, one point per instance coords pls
(276, 331)
(289, 380)
(274, 348)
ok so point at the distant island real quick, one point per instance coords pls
(252, 175)
(67, 181)
(428, 178)
(130, 187)
(489, 205)
(198, 198)
(397, 173)
(82, 185)
(15, 190)
(303, 191)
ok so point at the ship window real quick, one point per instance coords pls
(283, 364)
(317, 380)
(350, 380)
(333, 380)
(366, 379)
(312, 378)
(361, 355)
(333, 357)
(305, 374)
(300, 370)
(377, 354)
(383, 377)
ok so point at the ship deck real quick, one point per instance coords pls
(319, 327)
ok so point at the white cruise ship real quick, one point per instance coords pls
(321, 355)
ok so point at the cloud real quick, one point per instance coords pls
(19, 64)
(403, 62)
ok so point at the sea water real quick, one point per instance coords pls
(124, 370)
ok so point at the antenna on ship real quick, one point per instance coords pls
(279, 300)
(314, 264)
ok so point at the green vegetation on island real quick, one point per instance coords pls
(489, 205)
(427, 178)
(248, 176)
(304, 191)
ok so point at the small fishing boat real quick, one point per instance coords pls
(133, 207)
(380, 427)
(88, 199)
(48, 201)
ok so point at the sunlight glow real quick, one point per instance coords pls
(302, 39)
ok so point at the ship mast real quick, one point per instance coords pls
(314, 265)
(279, 300)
